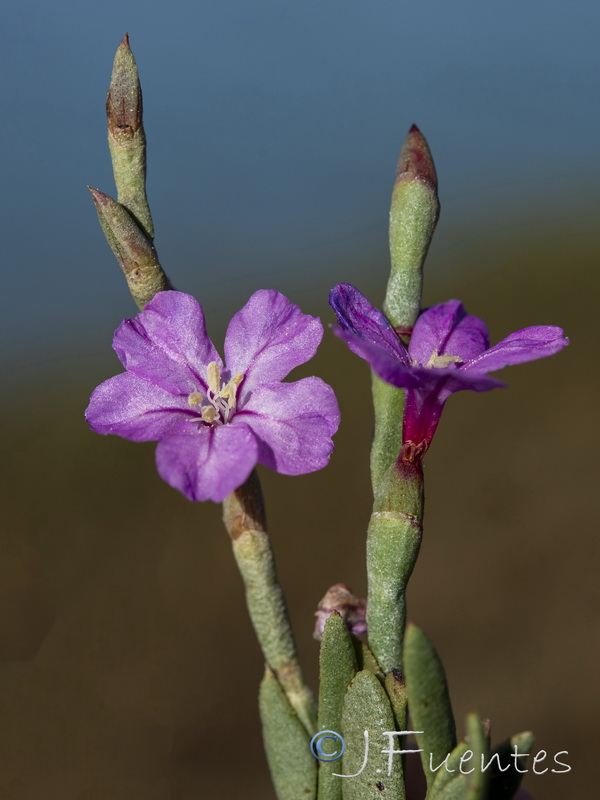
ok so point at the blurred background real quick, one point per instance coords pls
(127, 665)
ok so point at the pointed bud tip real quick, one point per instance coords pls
(124, 99)
(416, 161)
(99, 198)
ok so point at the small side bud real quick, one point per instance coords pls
(126, 138)
(132, 248)
(413, 216)
(340, 599)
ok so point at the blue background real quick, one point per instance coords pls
(273, 132)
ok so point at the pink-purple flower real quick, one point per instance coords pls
(448, 351)
(215, 421)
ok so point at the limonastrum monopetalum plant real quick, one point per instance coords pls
(215, 420)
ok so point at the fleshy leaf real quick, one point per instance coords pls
(448, 781)
(366, 659)
(430, 707)
(367, 707)
(338, 667)
(478, 779)
(287, 745)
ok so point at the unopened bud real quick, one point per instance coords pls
(132, 248)
(413, 216)
(352, 609)
(126, 138)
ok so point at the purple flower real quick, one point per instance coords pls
(213, 422)
(448, 351)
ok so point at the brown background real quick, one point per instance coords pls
(127, 665)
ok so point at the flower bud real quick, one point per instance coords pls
(132, 248)
(339, 598)
(126, 138)
(413, 216)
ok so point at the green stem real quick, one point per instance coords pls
(388, 404)
(393, 542)
(244, 518)
(395, 529)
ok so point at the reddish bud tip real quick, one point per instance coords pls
(100, 199)
(124, 100)
(415, 160)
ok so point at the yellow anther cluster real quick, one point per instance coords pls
(442, 361)
(221, 402)
(195, 399)
(213, 377)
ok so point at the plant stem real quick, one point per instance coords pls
(244, 518)
(393, 542)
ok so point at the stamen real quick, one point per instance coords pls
(195, 399)
(441, 362)
(230, 391)
(220, 402)
(213, 377)
(209, 413)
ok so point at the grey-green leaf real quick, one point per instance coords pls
(478, 779)
(287, 745)
(365, 658)
(337, 661)
(456, 789)
(428, 698)
(367, 707)
(446, 773)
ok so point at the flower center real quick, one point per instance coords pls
(218, 406)
(442, 362)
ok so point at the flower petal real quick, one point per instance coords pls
(135, 409)
(447, 329)
(268, 337)
(294, 423)
(207, 463)
(167, 343)
(424, 406)
(383, 362)
(447, 381)
(358, 317)
(524, 345)
(469, 338)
